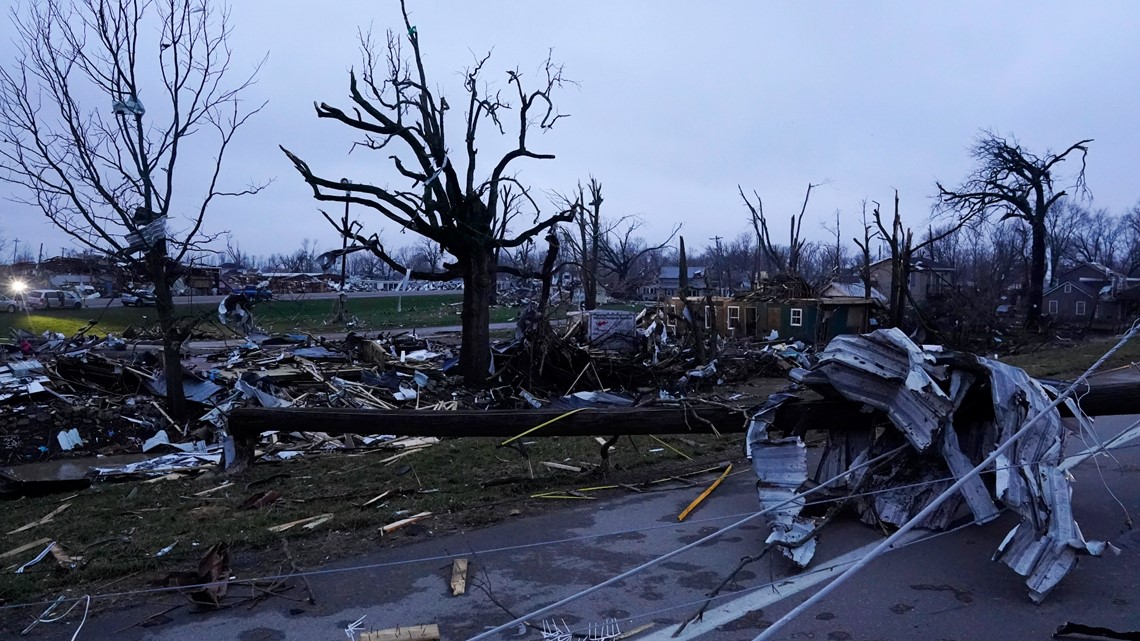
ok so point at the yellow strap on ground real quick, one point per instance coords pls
(697, 501)
(542, 425)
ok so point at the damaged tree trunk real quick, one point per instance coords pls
(478, 287)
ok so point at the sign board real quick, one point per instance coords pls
(613, 330)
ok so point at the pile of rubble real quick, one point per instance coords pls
(64, 399)
(909, 423)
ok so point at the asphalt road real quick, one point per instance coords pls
(942, 588)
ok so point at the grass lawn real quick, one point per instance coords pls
(311, 315)
(1068, 362)
(119, 527)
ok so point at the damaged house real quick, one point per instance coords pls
(812, 320)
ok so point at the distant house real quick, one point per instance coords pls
(669, 280)
(1089, 293)
(929, 280)
(846, 288)
(813, 320)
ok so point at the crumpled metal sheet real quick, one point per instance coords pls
(195, 388)
(1044, 546)
(781, 468)
(890, 373)
(885, 371)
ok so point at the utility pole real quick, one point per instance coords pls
(15, 249)
(719, 264)
(344, 238)
(342, 312)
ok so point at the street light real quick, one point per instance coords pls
(17, 286)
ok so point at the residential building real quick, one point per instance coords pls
(928, 281)
(812, 320)
(1087, 294)
(669, 280)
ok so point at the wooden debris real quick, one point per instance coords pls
(39, 543)
(405, 633)
(561, 466)
(376, 498)
(396, 457)
(697, 501)
(458, 577)
(214, 489)
(264, 499)
(395, 525)
(181, 429)
(46, 519)
(65, 560)
(309, 523)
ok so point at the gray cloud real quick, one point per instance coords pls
(679, 102)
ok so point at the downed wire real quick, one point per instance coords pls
(680, 550)
(999, 449)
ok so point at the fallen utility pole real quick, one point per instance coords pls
(247, 423)
(252, 421)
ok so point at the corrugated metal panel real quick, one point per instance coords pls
(885, 371)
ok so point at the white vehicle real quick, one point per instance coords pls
(53, 299)
(11, 304)
(86, 292)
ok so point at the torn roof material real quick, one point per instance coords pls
(953, 410)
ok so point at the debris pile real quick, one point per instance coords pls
(913, 422)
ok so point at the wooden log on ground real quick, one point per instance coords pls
(251, 421)
(247, 423)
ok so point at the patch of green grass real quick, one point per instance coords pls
(1069, 362)
(304, 315)
(466, 482)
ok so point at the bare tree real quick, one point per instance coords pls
(625, 255)
(396, 110)
(786, 259)
(1062, 222)
(109, 177)
(835, 254)
(581, 243)
(607, 250)
(1130, 239)
(900, 240)
(1013, 183)
(864, 246)
(1097, 239)
(234, 254)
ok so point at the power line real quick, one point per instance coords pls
(933, 505)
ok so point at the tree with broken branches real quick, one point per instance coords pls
(1013, 183)
(900, 240)
(112, 178)
(600, 248)
(396, 111)
(785, 259)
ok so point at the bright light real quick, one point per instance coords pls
(18, 286)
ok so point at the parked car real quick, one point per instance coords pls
(10, 304)
(53, 299)
(138, 299)
(256, 294)
(86, 291)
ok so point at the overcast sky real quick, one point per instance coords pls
(678, 102)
